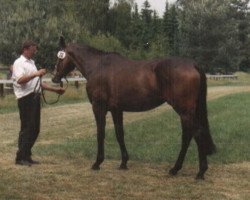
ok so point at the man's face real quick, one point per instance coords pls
(31, 51)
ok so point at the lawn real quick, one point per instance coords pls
(67, 148)
(157, 139)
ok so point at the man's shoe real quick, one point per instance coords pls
(23, 162)
(33, 162)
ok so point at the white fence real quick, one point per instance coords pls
(222, 77)
(3, 83)
(78, 79)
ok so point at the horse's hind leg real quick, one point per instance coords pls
(190, 128)
(100, 117)
(118, 122)
(203, 166)
(187, 122)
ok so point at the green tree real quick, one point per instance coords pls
(209, 34)
(136, 28)
(120, 22)
(156, 25)
(170, 27)
(240, 12)
(26, 19)
(91, 14)
(147, 33)
(42, 21)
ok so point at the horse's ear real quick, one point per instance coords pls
(62, 42)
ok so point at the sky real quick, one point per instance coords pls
(158, 5)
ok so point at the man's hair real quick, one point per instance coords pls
(27, 44)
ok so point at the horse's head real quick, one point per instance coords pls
(64, 63)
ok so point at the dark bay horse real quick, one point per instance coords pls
(117, 84)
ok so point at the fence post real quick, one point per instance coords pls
(76, 84)
(1, 90)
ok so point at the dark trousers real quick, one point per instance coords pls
(29, 110)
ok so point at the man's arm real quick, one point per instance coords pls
(26, 78)
(58, 90)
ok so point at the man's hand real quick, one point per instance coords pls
(60, 90)
(41, 72)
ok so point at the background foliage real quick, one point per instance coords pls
(216, 33)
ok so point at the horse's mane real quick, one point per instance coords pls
(94, 50)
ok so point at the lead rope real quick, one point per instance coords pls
(58, 97)
(38, 87)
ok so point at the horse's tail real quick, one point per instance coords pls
(202, 116)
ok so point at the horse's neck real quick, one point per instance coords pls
(88, 64)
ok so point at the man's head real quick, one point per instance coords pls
(29, 48)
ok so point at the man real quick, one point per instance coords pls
(27, 89)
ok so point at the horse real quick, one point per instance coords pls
(117, 84)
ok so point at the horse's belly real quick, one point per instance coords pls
(141, 104)
(140, 108)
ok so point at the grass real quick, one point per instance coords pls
(67, 148)
(158, 139)
(8, 104)
(2, 75)
(65, 170)
(231, 127)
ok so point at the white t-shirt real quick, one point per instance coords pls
(22, 67)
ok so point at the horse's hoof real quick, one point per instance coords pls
(95, 167)
(173, 172)
(199, 177)
(123, 167)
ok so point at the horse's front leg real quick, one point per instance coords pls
(118, 122)
(100, 112)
